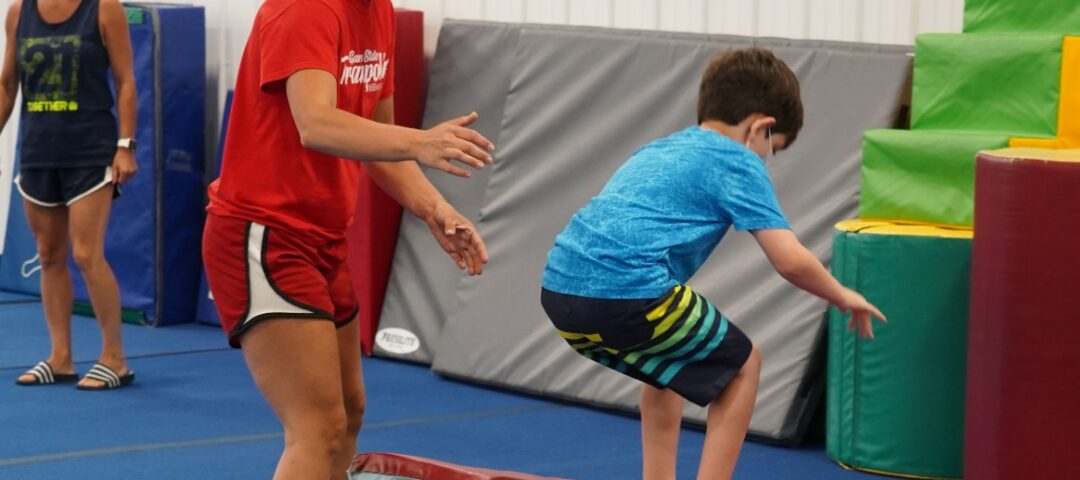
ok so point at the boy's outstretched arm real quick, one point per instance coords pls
(800, 267)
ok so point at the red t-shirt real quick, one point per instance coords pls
(267, 176)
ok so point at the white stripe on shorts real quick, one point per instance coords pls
(264, 299)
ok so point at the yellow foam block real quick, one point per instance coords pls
(885, 227)
(1069, 108)
(1054, 155)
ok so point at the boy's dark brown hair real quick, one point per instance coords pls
(738, 83)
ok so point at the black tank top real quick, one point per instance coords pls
(67, 118)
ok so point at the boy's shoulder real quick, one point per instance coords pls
(696, 143)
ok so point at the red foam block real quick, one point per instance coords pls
(1023, 377)
(424, 469)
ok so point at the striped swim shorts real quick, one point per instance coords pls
(678, 341)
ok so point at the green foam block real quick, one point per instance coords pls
(1052, 16)
(895, 404)
(987, 82)
(922, 176)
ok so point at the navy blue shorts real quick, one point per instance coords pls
(55, 187)
(679, 341)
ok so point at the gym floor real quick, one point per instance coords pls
(193, 412)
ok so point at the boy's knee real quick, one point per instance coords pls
(753, 362)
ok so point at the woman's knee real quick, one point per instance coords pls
(355, 405)
(323, 430)
(87, 257)
(52, 256)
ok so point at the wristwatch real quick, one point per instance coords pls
(128, 143)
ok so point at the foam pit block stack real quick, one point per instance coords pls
(1023, 382)
(1022, 16)
(895, 404)
(922, 176)
(1068, 130)
(987, 82)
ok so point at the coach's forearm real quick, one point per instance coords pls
(342, 134)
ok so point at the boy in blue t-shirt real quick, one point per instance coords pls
(614, 285)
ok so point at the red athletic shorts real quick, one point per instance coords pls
(258, 273)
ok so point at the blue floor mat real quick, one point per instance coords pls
(24, 338)
(199, 415)
(11, 297)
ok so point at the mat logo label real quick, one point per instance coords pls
(31, 266)
(397, 340)
(367, 68)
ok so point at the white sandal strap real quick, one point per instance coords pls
(43, 372)
(104, 375)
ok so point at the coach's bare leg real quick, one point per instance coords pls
(355, 398)
(295, 364)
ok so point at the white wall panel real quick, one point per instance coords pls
(833, 19)
(888, 21)
(637, 14)
(683, 16)
(505, 10)
(547, 11)
(782, 18)
(939, 16)
(732, 17)
(464, 9)
(591, 12)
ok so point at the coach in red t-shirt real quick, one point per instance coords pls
(314, 75)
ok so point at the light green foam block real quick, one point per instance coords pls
(922, 176)
(896, 404)
(987, 82)
(1051, 16)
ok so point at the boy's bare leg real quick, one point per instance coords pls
(728, 421)
(661, 418)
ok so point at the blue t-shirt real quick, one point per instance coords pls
(660, 216)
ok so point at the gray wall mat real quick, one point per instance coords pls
(572, 119)
(471, 72)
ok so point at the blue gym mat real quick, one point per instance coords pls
(11, 297)
(194, 412)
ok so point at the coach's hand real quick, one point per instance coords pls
(453, 141)
(123, 166)
(458, 237)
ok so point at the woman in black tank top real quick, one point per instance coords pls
(73, 156)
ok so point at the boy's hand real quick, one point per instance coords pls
(861, 312)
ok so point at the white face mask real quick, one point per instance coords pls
(768, 138)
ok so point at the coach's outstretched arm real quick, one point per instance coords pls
(407, 184)
(322, 126)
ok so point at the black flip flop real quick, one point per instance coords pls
(108, 378)
(44, 375)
